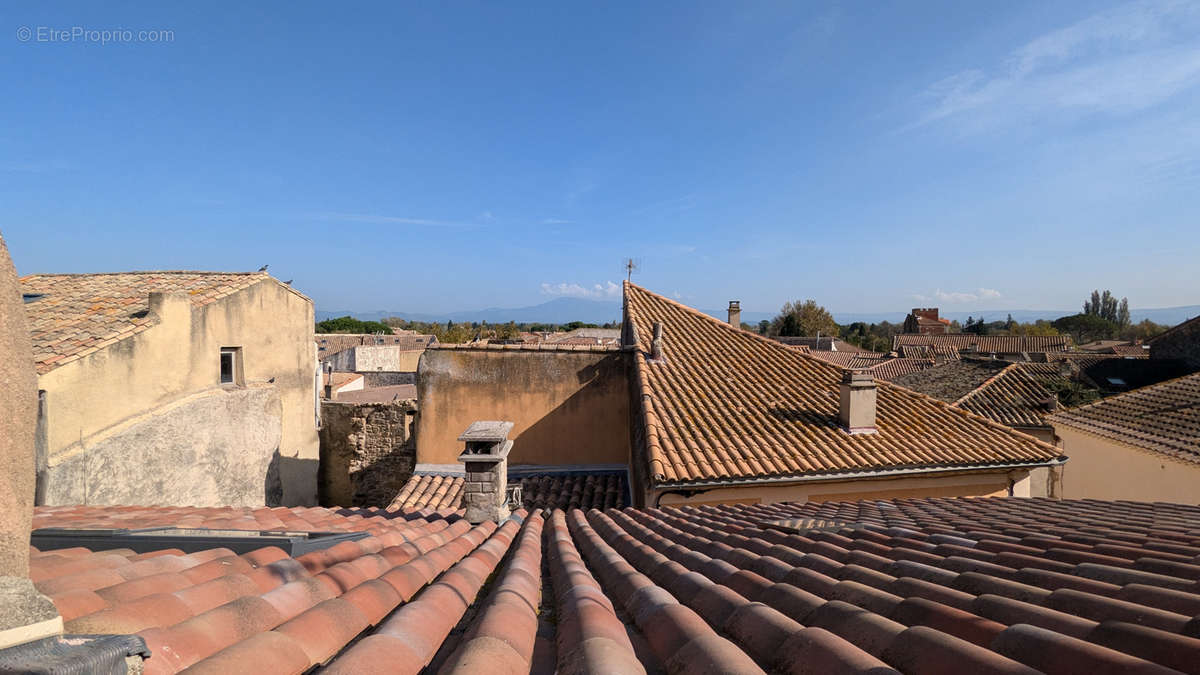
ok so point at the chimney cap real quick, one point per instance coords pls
(735, 304)
(486, 431)
(857, 376)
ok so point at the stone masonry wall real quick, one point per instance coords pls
(1182, 343)
(367, 452)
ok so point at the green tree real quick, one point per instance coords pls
(763, 327)
(804, 319)
(1086, 327)
(349, 324)
(1106, 306)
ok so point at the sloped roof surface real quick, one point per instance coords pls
(544, 491)
(1002, 344)
(985, 585)
(73, 315)
(1013, 397)
(952, 380)
(728, 404)
(1163, 417)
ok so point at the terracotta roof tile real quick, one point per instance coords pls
(1163, 417)
(728, 404)
(72, 315)
(601, 490)
(882, 588)
(1000, 344)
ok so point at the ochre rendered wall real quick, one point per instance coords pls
(1100, 468)
(958, 485)
(178, 358)
(567, 407)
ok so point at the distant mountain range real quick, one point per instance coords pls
(564, 310)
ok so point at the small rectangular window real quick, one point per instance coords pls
(231, 365)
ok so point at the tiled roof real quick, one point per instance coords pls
(985, 585)
(586, 336)
(1135, 351)
(952, 380)
(1164, 417)
(329, 344)
(824, 344)
(1001, 344)
(73, 315)
(847, 359)
(340, 379)
(544, 491)
(890, 369)
(729, 404)
(1013, 397)
(928, 351)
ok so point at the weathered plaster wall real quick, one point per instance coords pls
(1100, 468)
(995, 484)
(566, 407)
(179, 357)
(1181, 343)
(218, 447)
(367, 452)
(371, 358)
(388, 379)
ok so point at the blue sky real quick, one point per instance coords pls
(446, 156)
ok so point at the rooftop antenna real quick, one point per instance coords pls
(631, 266)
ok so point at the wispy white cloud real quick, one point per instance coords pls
(374, 219)
(602, 291)
(1115, 62)
(953, 297)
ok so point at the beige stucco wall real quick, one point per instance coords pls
(566, 407)
(1101, 468)
(179, 357)
(991, 484)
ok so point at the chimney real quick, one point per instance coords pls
(485, 492)
(857, 409)
(656, 347)
(329, 381)
(735, 313)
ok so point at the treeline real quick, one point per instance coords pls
(450, 331)
(1103, 318)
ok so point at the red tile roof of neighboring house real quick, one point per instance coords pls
(984, 585)
(890, 369)
(1135, 351)
(340, 379)
(329, 344)
(73, 315)
(1164, 417)
(1013, 397)
(548, 490)
(1000, 344)
(726, 404)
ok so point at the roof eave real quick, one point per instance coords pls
(856, 475)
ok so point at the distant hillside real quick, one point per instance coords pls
(562, 310)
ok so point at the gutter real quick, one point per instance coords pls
(851, 475)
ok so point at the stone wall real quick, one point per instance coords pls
(1183, 342)
(367, 452)
(388, 379)
(216, 448)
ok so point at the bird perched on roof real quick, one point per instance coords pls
(263, 268)
(288, 282)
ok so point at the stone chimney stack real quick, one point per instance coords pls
(329, 381)
(857, 410)
(485, 492)
(656, 347)
(735, 313)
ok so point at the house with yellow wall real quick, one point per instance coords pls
(182, 388)
(1141, 445)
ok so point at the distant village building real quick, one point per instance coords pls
(1142, 445)
(383, 360)
(1008, 347)
(925, 321)
(186, 388)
